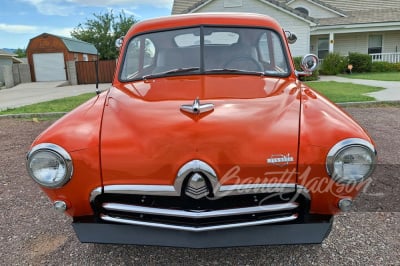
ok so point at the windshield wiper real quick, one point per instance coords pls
(234, 70)
(169, 72)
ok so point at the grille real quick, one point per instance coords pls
(185, 213)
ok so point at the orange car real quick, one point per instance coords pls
(206, 138)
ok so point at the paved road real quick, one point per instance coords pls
(35, 92)
(391, 92)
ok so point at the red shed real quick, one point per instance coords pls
(47, 55)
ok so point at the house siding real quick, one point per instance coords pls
(315, 11)
(288, 22)
(351, 43)
(344, 43)
(391, 42)
(358, 42)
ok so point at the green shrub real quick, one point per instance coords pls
(397, 67)
(334, 64)
(361, 62)
(297, 63)
(383, 67)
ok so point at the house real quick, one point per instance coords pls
(48, 55)
(7, 60)
(323, 26)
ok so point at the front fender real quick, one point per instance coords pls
(78, 133)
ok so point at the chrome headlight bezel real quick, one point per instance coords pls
(57, 153)
(339, 148)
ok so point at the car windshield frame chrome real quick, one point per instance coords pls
(202, 69)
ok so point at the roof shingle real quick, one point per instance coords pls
(364, 16)
(355, 11)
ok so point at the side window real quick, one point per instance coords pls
(271, 53)
(139, 55)
(131, 63)
(264, 50)
(149, 52)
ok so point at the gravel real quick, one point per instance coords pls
(32, 233)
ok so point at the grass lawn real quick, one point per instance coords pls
(343, 92)
(386, 76)
(59, 105)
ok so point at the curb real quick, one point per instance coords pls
(368, 103)
(33, 115)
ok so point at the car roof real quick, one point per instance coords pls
(196, 19)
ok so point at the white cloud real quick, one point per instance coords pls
(105, 3)
(28, 29)
(66, 32)
(21, 29)
(52, 7)
(68, 7)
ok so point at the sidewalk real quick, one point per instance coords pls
(36, 92)
(391, 92)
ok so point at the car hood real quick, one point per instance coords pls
(251, 135)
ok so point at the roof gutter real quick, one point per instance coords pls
(360, 27)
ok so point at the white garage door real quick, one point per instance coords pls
(49, 67)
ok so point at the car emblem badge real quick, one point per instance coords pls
(196, 187)
(280, 159)
(197, 107)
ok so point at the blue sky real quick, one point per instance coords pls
(21, 20)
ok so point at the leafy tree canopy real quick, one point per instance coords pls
(21, 53)
(103, 31)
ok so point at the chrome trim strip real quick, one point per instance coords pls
(95, 192)
(199, 215)
(199, 229)
(257, 188)
(166, 190)
(262, 188)
(162, 190)
(303, 191)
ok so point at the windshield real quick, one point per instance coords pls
(202, 50)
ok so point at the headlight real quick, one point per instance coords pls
(49, 165)
(351, 160)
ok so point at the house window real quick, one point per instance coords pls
(323, 47)
(85, 57)
(232, 3)
(375, 44)
(302, 10)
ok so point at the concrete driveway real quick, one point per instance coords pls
(35, 92)
(390, 93)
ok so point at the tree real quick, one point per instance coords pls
(21, 53)
(103, 31)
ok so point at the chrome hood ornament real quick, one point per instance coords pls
(197, 178)
(197, 107)
(196, 187)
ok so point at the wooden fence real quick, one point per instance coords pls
(86, 71)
